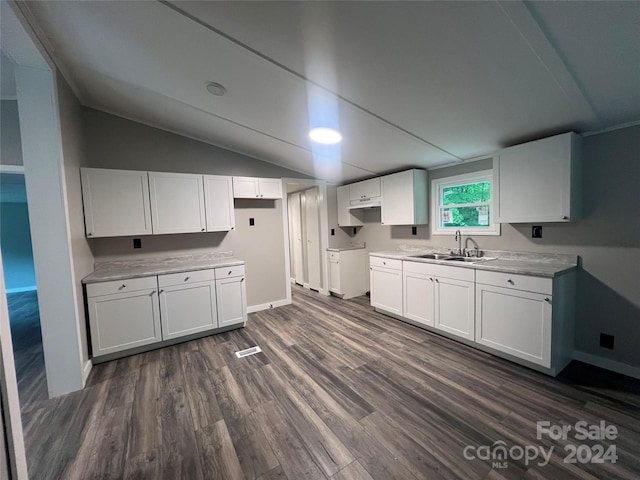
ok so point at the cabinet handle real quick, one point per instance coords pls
(229, 272)
(384, 263)
(152, 292)
(122, 286)
(547, 299)
(430, 278)
(257, 196)
(89, 234)
(564, 217)
(261, 196)
(186, 279)
(510, 282)
(437, 281)
(242, 279)
(160, 292)
(202, 229)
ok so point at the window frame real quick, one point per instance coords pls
(438, 184)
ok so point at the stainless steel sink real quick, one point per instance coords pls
(435, 256)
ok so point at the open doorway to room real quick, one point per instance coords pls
(307, 233)
(21, 291)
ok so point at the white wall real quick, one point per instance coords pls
(607, 240)
(114, 142)
(10, 146)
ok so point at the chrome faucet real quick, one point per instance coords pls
(476, 249)
(458, 238)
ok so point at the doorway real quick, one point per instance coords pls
(307, 233)
(21, 291)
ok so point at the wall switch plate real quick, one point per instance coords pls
(252, 222)
(137, 243)
(333, 231)
(606, 341)
(536, 231)
(414, 230)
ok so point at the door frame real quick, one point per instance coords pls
(324, 229)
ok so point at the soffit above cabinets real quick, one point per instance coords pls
(412, 84)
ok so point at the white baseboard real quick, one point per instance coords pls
(86, 371)
(267, 306)
(607, 364)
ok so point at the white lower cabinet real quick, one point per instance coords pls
(231, 294)
(512, 320)
(347, 273)
(187, 303)
(455, 306)
(123, 315)
(127, 314)
(386, 284)
(439, 296)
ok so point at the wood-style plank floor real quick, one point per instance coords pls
(340, 392)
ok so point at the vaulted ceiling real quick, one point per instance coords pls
(407, 83)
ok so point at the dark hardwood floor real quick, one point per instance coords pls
(338, 392)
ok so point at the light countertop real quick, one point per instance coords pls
(536, 264)
(122, 269)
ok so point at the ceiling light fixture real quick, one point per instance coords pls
(216, 89)
(324, 135)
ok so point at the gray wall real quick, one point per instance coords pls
(113, 142)
(607, 240)
(10, 146)
(74, 158)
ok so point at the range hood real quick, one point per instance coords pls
(365, 203)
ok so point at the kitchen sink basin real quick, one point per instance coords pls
(435, 256)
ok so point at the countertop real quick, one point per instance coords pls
(122, 269)
(348, 247)
(536, 264)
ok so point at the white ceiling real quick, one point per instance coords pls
(408, 83)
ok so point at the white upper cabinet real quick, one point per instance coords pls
(177, 202)
(261, 188)
(404, 198)
(346, 217)
(539, 181)
(364, 190)
(116, 202)
(218, 196)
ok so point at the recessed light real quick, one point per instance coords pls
(325, 135)
(216, 89)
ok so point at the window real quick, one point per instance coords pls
(465, 203)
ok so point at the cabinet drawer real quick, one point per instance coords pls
(228, 272)
(421, 268)
(519, 282)
(385, 262)
(185, 278)
(121, 286)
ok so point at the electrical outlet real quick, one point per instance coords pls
(414, 230)
(606, 341)
(252, 222)
(536, 231)
(333, 231)
(137, 243)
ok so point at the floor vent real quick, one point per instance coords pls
(248, 351)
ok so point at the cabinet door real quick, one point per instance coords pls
(515, 322)
(123, 321)
(455, 307)
(534, 181)
(313, 253)
(116, 202)
(232, 301)
(187, 309)
(218, 196)
(177, 202)
(404, 198)
(334, 276)
(245, 187)
(346, 217)
(419, 298)
(270, 188)
(386, 289)
(365, 189)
